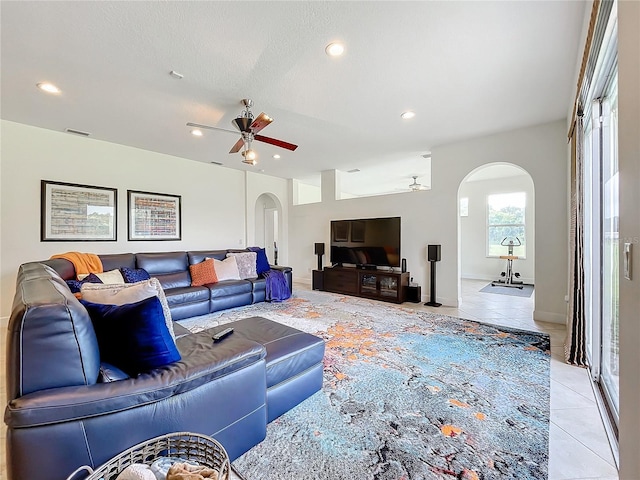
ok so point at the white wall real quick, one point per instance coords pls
(474, 262)
(629, 163)
(214, 199)
(430, 217)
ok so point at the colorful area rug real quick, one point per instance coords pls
(407, 395)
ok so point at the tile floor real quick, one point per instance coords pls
(578, 447)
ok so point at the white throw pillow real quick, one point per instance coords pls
(226, 269)
(246, 263)
(112, 277)
(128, 293)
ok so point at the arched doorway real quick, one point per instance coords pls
(268, 227)
(495, 201)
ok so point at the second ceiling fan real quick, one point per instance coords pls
(248, 126)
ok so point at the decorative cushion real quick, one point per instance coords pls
(246, 264)
(134, 336)
(262, 262)
(76, 285)
(134, 275)
(129, 293)
(110, 277)
(226, 269)
(203, 273)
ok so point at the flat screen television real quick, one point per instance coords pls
(366, 242)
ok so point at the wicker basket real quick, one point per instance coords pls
(190, 446)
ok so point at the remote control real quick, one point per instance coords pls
(220, 335)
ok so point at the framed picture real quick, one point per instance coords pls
(77, 213)
(341, 231)
(154, 216)
(357, 231)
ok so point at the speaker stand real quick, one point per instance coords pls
(432, 302)
(319, 261)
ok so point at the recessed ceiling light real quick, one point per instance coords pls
(196, 133)
(48, 87)
(408, 114)
(334, 49)
(276, 156)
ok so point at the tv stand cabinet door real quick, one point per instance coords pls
(341, 280)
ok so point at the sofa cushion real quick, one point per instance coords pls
(171, 268)
(201, 255)
(118, 260)
(203, 273)
(227, 269)
(134, 275)
(129, 293)
(230, 287)
(134, 337)
(111, 276)
(51, 342)
(177, 296)
(76, 285)
(246, 264)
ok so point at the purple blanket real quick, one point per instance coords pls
(277, 289)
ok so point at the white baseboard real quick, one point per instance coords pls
(4, 321)
(549, 317)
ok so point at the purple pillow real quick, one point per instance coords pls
(262, 262)
(133, 275)
(76, 285)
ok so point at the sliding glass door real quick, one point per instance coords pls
(601, 236)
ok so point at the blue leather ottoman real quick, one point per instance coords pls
(293, 362)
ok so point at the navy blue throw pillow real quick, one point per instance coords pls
(134, 337)
(133, 275)
(76, 285)
(262, 262)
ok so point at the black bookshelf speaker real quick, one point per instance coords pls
(319, 248)
(404, 265)
(433, 253)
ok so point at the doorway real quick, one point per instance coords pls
(268, 225)
(496, 209)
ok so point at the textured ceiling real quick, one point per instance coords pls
(466, 68)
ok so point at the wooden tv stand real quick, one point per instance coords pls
(376, 284)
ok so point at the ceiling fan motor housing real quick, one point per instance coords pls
(242, 123)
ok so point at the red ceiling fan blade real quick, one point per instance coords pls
(238, 145)
(260, 122)
(276, 142)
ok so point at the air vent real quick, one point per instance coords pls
(355, 170)
(216, 163)
(77, 132)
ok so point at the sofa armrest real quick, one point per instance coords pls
(202, 362)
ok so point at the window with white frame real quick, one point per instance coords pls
(506, 224)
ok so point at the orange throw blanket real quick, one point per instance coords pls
(84, 263)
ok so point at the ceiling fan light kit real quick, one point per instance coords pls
(415, 186)
(249, 128)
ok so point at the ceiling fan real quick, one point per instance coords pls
(415, 186)
(248, 126)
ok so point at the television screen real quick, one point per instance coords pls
(367, 241)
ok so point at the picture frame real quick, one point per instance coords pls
(357, 231)
(71, 212)
(341, 231)
(154, 216)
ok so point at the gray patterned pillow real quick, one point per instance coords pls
(246, 263)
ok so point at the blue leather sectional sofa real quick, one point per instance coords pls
(64, 412)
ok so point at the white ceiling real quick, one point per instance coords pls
(466, 68)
